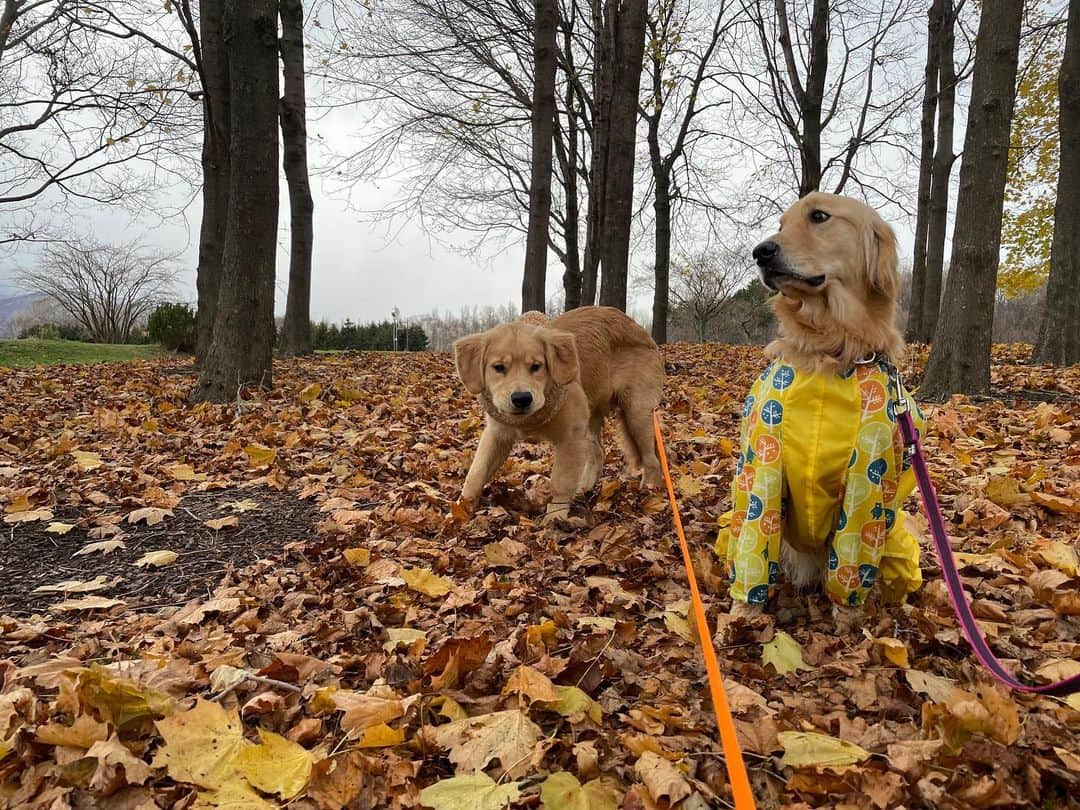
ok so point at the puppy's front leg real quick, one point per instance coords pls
(492, 451)
(571, 455)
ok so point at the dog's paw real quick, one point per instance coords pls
(652, 478)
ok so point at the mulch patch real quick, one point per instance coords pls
(30, 557)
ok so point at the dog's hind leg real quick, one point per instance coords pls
(637, 412)
(627, 445)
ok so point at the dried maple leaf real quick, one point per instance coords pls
(508, 736)
(562, 791)
(661, 778)
(275, 765)
(201, 745)
(470, 792)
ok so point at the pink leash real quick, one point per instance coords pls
(948, 564)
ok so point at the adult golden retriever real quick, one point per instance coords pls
(557, 381)
(820, 457)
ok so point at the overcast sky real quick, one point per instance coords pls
(359, 271)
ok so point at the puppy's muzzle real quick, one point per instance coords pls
(775, 271)
(521, 400)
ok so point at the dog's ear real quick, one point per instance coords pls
(469, 359)
(561, 356)
(881, 259)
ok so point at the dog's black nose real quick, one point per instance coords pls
(521, 399)
(765, 252)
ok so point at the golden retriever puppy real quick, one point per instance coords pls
(821, 474)
(556, 381)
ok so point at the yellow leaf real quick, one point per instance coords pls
(470, 792)
(427, 583)
(676, 622)
(241, 506)
(120, 700)
(365, 711)
(276, 765)
(532, 684)
(396, 636)
(28, 516)
(562, 791)
(359, 557)
(260, 455)
(233, 795)
(448, 708)
(103, 546)
(784, 653)
(151, 514)
(1063, 557)
(157, 559)
(575, 705)
(605, 623)
(310, 392)
(87, 603)
(82, 733)
(98, 583)
(20, 504)
(894, 650)
(1005, 491)
(221, 523)
(1074, 701)
(59, 528)
(381, 736)
(86, 461)
(808, 749)
(689, 486)
(182, 472)
(201, 745)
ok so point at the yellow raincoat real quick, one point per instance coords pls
(822, 463)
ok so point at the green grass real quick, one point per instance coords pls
(35, 352)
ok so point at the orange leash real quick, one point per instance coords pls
(736, 768)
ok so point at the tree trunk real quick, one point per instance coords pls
(914, 330)
(533, 286)
(811, 98)
(572, 262)
(942, 176)
(628, 50)
(662, 268)
(960, 358)
(603, 89)
(215, 166)
(296, 332)
(241, 350)
(1059, 331)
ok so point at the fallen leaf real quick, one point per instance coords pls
(1056, 503)
(531, 684)
(425, 582)
(275, 765)
(102, 547)
(573, 704)
(509, 736)
(808, 749)
(398, 636)
(98, 583)
(86, 461)
(1061, 556)
(87, 603)
(151, 515)
(661, 778)
(29, 516)
(894, 651)
(562, 791)
(310, 392)
(201, 745)
(784, 653)
(469, 792)
(233, 795)
(241, 506)
(381, 736)
(113, 757)
(156, 559)
(221, 523)
(260, 455)
(59, 528)
(358, 557)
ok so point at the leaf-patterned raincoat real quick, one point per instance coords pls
(821, 463)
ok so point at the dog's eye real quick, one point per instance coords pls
(535, 367)
(819, 216)
(500, 368)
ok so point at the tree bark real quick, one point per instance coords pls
(1059, 330)
(603, 89)
(215, 166)
(628, 26)
(942, 176)
(572, 262)
(914, 332)
(533, 286)
(960, 358)
(811, 97)
(296, 332)
(241, 349)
